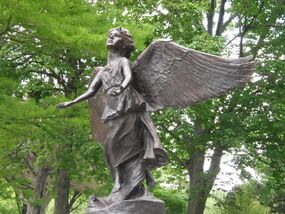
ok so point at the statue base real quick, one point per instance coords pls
(143, 205)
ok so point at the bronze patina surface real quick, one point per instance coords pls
(164, 75)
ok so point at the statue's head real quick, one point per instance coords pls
(120, 39)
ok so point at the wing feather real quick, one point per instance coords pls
(170, 75)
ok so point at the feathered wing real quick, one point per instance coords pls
(169, 75)
(96, 106)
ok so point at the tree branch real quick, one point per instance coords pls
(258, 45)
(225, 25)
(246, 27)
(210, 17)
(215, 163)
(29, 163)
(74, 208)
(221, 18)
(73, 199)
(175, 138)
(236, 36)
(6, 29)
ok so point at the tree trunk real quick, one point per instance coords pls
(40, 199)
(197, 200)
(24, 208)
(212, 173)
(62, 192)
(221, 18)
(210, 17)
(201, 183)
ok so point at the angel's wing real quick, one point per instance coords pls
(169, 75)
(96, 105)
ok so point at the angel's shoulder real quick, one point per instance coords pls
(125, 61)
(97, 71)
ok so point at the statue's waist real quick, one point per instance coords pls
(128, 100)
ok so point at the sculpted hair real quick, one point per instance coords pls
(128, 42)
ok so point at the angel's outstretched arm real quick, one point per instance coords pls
(93, 88)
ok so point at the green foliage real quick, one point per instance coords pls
(175, 201)
(63, 24)
(8, 207)
(265, 123)
(269, 194)
(242, 201)
(7, 199)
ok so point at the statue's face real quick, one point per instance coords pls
(114, 39)
(120, 40)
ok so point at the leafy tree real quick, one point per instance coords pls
(267, 193)
(175, 201)
(241, 200)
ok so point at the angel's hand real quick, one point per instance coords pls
(115, 91)
(64, 105)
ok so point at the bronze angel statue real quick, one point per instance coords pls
(164, 75)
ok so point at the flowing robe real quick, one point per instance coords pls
(131, 147)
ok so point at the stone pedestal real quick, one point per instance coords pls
(144, 205)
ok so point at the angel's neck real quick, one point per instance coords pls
(112, 56)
